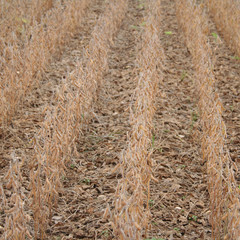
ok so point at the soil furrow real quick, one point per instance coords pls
(179, 202)
(227, 75)
(90, 184)
(17, 139)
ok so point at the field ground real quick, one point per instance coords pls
(179, 201)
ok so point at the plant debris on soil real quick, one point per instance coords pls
(179, 201)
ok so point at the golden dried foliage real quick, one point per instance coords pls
(130, 217)
(226, 15)
(222, 187)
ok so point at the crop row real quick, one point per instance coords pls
(222, 187)
(226, 15)
(131, 212)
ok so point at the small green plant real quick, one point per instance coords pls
(142, 24)
(105, 233)
(134, 27)
(168, 32)
(236, 57)
(160, 150)
(72, 166)
(183, 75)
(176, 229)
(153, 140)
(24, 20)
(137, 27)
(141, 6)
(215, 35)
(194, 218)
(194, 118)
(86, 181)
(151, 202)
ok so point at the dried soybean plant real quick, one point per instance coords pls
(222, 187)
(55, 142)
(130, 215)
(23, 61)
(17, 16)
(226, 15)
(16, 220)
(97, 51)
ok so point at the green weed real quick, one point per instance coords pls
(215, 35)
(183, 75)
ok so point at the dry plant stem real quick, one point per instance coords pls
(24, 61)
(226, 15)
(224, 193)
(131, 213)
(55, 143)
(16, 218)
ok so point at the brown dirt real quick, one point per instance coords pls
(179, 201)
(227, 73)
